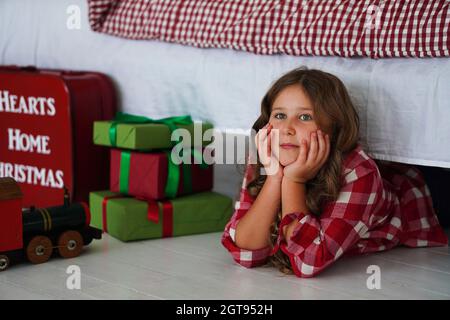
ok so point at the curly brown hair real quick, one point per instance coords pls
(335, 115)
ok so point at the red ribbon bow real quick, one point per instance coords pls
(167, 216)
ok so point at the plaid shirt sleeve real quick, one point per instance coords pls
(246, 258)
(315, 242)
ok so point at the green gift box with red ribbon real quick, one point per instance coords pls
(127, 218)
(155, 176)
(141, 133)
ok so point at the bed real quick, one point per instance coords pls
(404, 103)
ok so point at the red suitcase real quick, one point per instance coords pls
(46, 123)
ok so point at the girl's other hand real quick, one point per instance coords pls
(263, 141)
(309, 162)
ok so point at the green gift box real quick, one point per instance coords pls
(127, 218)
(141, 133)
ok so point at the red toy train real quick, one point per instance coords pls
(37, 233)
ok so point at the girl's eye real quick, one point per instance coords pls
(305, 117)
(279, 116)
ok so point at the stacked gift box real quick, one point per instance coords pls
(152, 194)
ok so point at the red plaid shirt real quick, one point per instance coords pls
(379, 207)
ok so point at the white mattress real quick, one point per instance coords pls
(404, 104)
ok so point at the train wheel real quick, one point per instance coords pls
(39, 249)
(4, 262)
(70, 244)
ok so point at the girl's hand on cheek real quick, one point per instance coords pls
(264, 140)
(309, 161)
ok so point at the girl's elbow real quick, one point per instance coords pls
(250, 244)
(249, 241)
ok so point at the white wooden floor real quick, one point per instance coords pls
(198, 267)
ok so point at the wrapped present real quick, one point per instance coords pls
(127, 218)
(141, 133)
(153, 176)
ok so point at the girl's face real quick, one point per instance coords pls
(292, 114)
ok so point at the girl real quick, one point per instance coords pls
(328, 197)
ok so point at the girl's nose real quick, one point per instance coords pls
(289, 129)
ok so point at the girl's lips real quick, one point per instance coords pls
(288, 146)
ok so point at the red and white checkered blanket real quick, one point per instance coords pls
(372, 28)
